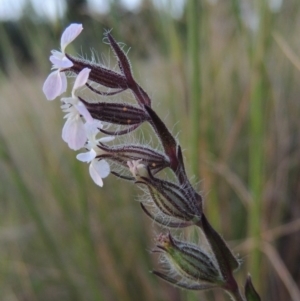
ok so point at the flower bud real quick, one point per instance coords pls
(194, 268)
(172, 200)
(98, 74)
(116, 113)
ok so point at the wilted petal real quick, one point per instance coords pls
(87, 157)
(81, 78)
(137, 169)
(70, 33)
(54, 85)
(74, 133)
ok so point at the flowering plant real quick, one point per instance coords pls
(172, 205)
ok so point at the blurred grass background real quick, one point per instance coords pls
(63, 238)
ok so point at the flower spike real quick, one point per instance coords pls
(172, 204)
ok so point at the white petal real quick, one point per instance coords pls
(84, 111)
(98, 170)
(92, 127)
(102, 167)
(70, 33)
(62, 62)
(74, 133)
(58, 54)
(64, 82)
(106, 139)
(81, 78)
(95, 176)
(87, 157)
(53, 85)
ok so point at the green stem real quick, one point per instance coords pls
(193, 16)
(256, 138)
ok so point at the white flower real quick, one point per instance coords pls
(98, 169)
(74, 131)
(56, 82)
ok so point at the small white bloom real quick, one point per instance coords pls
(69, 35)
(56, 82)
(74, 130)
(98, 169)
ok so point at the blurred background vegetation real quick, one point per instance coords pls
(234, 104)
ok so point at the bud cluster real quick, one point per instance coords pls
(171, 204)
